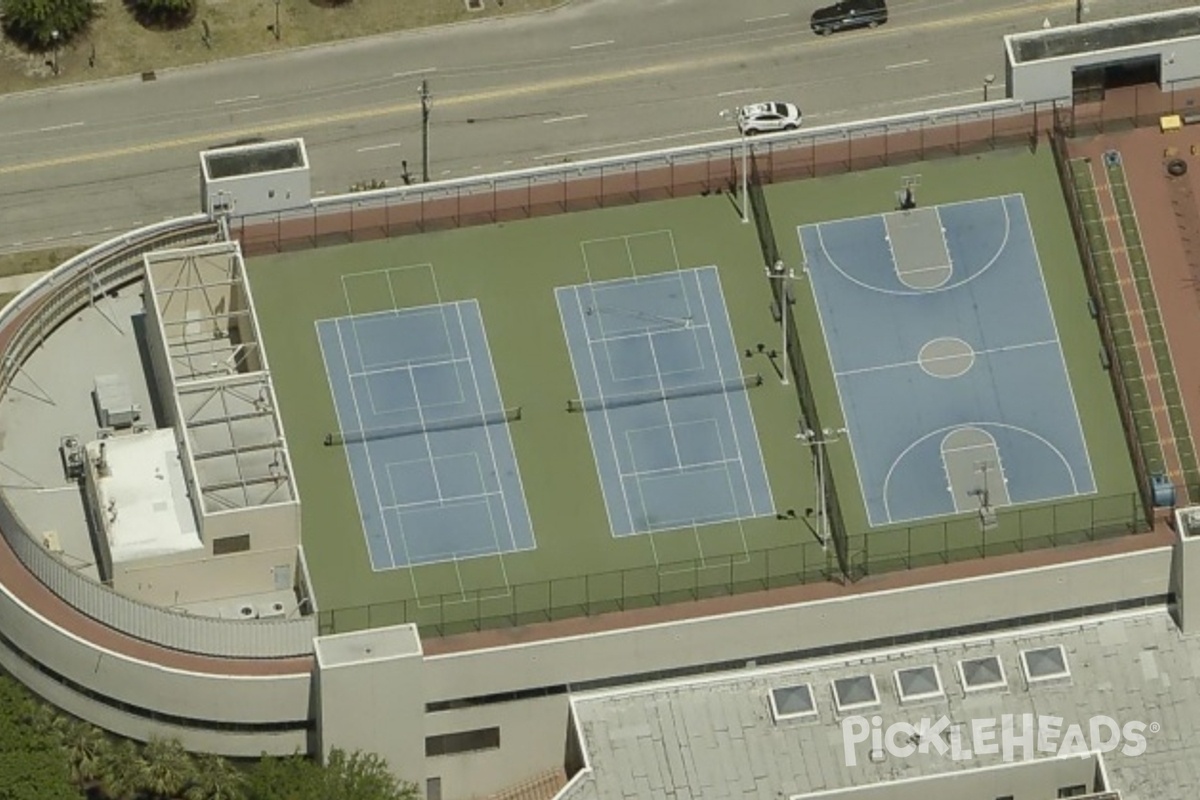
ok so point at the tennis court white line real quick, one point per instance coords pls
(370, 461)
(733, 423)
(681, 468)
(491, 448)
(443, 502)
(604, 340)
(918, 362)
(409, 365)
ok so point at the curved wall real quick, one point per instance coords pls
(226, 686)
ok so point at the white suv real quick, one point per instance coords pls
(768, 118)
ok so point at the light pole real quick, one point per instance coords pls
(745, 178)
(54, 37)
(1079, 9)
(818, 441)
(278, 32)
(778, 272)
(426, 107)
(988, 80)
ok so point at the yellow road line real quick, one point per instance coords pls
(541, 87)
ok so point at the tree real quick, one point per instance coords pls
(86, 748)
(162, 13)
(216, 779)
(34, 23)
(31, 766)
(354, 776)
(122, 772)
(168, 768)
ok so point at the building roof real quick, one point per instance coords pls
(718, 737)
(143, 496)
(1105, 35)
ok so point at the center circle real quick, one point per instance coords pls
(946, 357)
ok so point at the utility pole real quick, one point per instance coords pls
(426, 107)
(278, 31)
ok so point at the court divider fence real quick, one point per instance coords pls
(1111, 355)
(876, 552)
(781, 290)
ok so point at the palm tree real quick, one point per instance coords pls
(46, 720)
(86, 748)
(122, 772)
(216, 779)
(169, 768)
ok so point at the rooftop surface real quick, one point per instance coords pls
(1106, 35)
(717, 738)
(144, 497)
(508, 326)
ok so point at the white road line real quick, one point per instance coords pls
(424, 71)
(904, 64)
(589, 45)
(229, 100)
(634, 143)
(571, 118)
(378, 147)
(61, 127)
(766, 19)
(732, 92)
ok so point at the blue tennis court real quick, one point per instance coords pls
(426, 435)
(947, 360)
(661, 389)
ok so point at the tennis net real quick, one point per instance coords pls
(670, 393)
(429, 426)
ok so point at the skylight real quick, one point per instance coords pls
(982, 674)
(1045, 663)
(855, 692)
(793, 702)
(919, 683)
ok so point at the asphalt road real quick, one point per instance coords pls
(594, 78)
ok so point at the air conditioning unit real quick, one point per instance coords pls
(50, 541)
(274, 610)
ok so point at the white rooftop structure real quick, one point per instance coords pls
(778, 733)
(142, 496)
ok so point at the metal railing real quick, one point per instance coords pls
(24, 325)
(874, 552)
(641, 177)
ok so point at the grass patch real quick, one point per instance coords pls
(116, 44)
(26, 261)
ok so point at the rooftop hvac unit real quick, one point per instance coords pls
(1191, 520)
(50, 542)
(274, 610)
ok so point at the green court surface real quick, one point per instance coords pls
(578, 567)
(512, 271)
(1115, 506)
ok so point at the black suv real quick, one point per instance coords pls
(849, 14)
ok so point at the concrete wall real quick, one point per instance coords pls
(802, 626)
(264, 192)
(270, 527)
(369, 696)
(533, 740)
(192, 695)
(1038, 779)
(185, 579)
(1051, 78)
(532, 736)
(227, 743)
